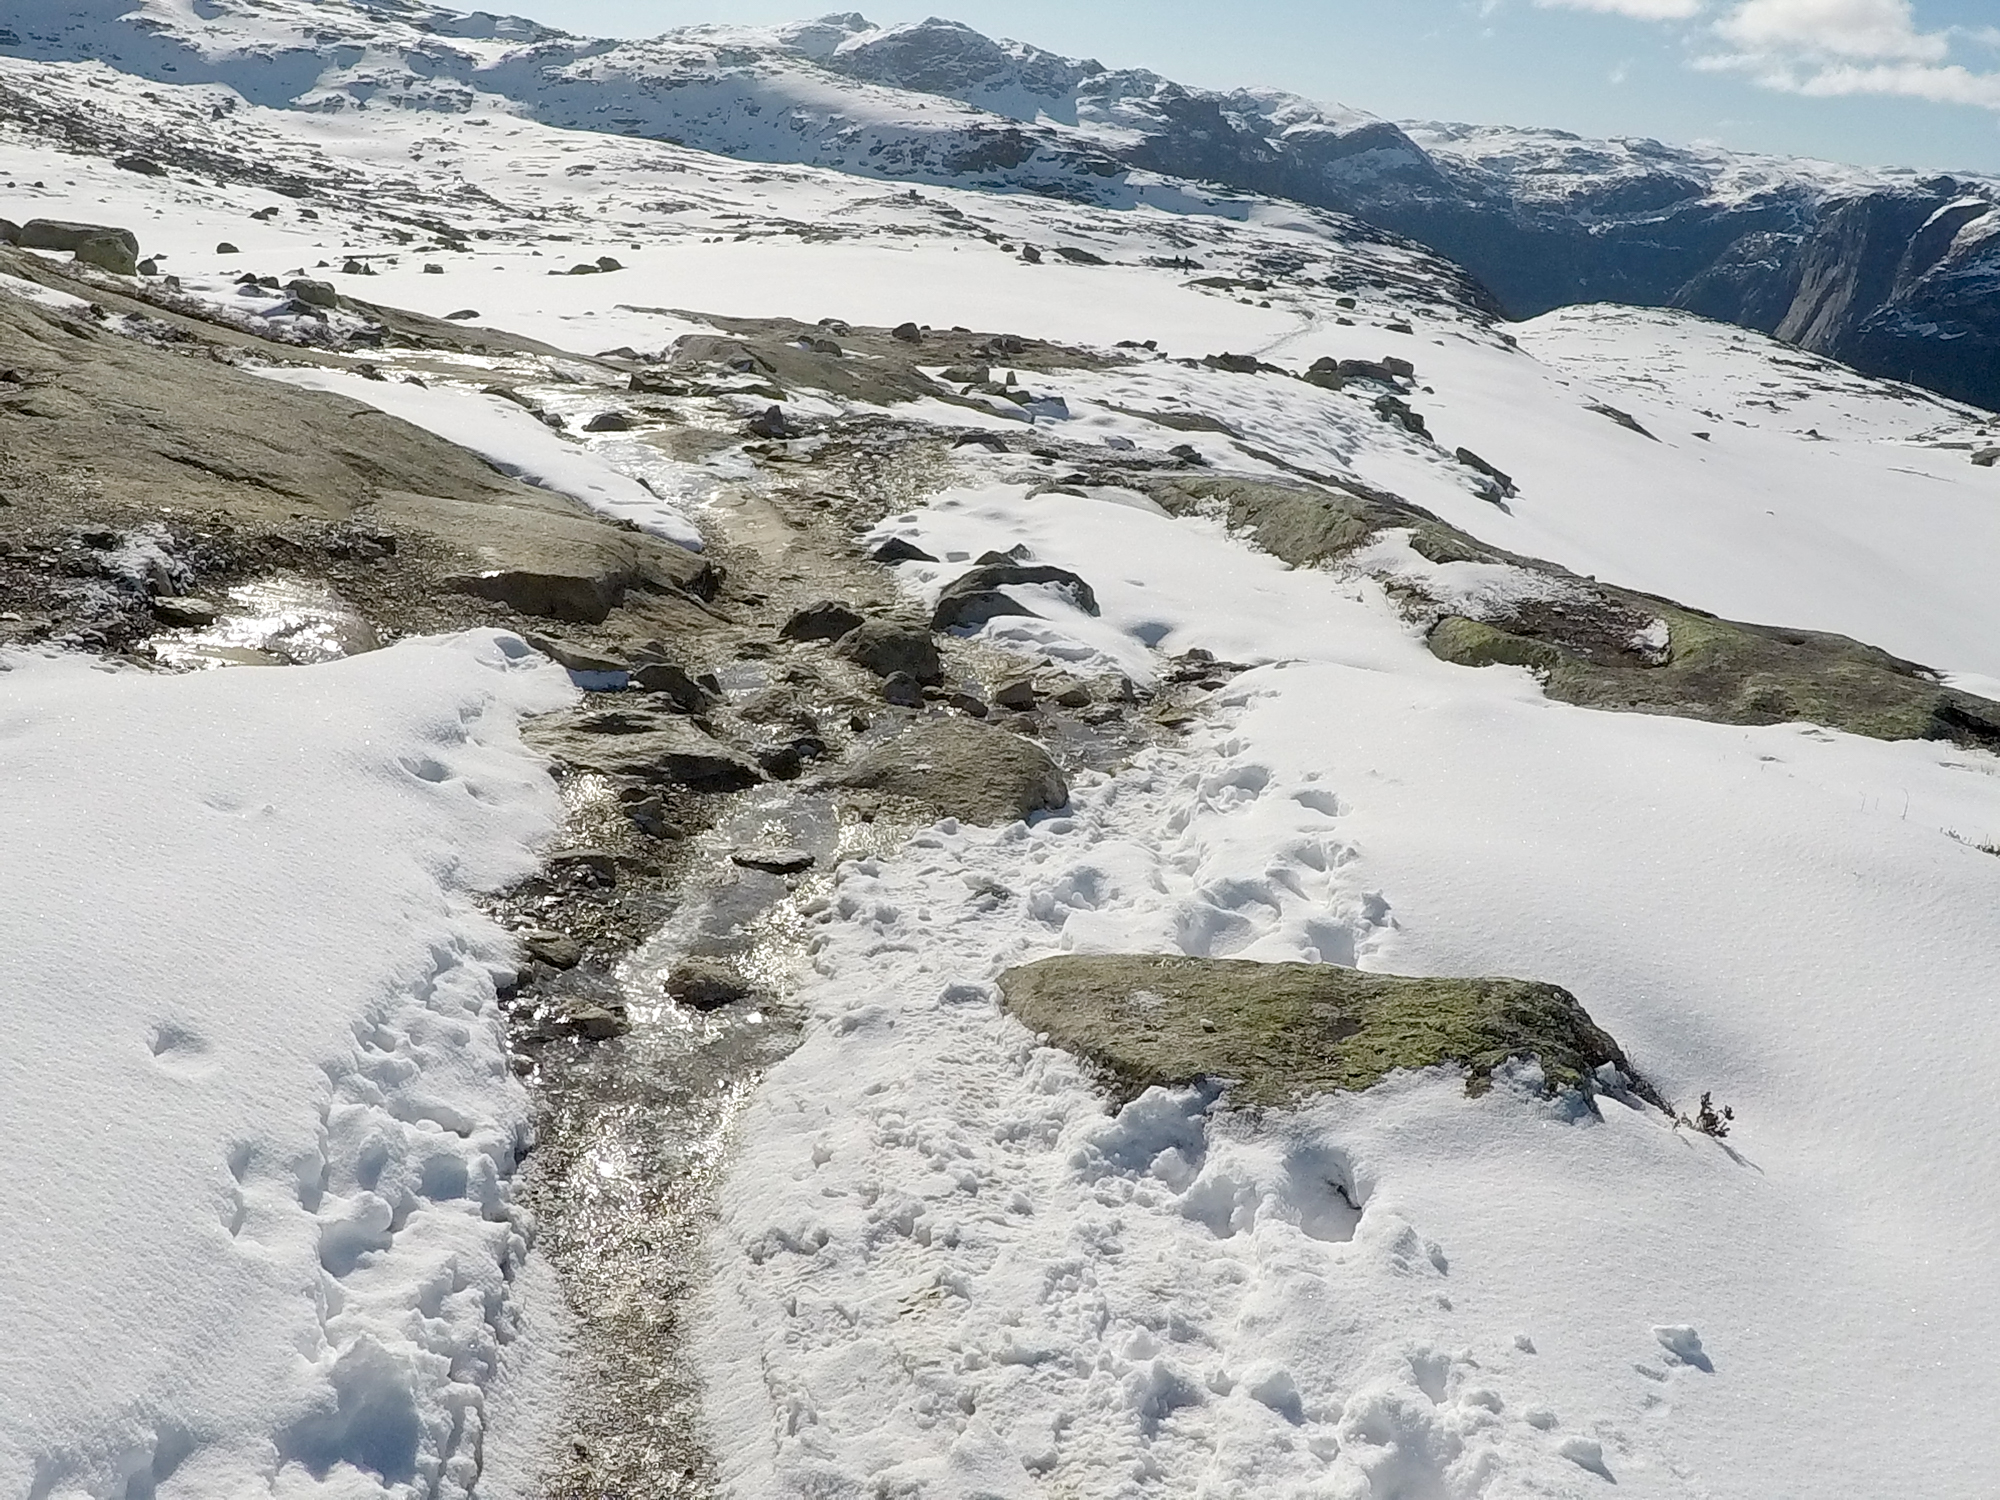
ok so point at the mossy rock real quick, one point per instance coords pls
(1724, 671)
(1583, 640)
(1275, 1032)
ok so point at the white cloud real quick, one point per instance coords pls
(1638, 10)
(1870, 29)
(1842, 48)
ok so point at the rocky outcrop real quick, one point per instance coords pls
(1273, 1033)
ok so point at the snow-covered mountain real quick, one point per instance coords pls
(1893, 272)
(678, 824)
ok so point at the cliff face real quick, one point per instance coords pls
(1890, 271)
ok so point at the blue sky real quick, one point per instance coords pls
(1902, 82)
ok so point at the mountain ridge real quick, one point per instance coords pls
(1891, 271)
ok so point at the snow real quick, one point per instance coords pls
(943, 1260)
(260, 1123)
(509, 438)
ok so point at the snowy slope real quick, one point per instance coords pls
(259, 1123)
(942, 1260)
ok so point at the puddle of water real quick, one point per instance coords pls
(280, 621)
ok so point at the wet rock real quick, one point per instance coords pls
(908, 333)
(594, 1023)
(887, 647)
(827, 620)
(771, 423)
(610, 421)
(773, 861)
(1019, 695)
(1074, 695)
(62, 234)
(689, 694)
(556, 949)
(970, 703)
(641, 743)
(586, 598)
(186, 611)
(314, 293)
(702, 984)
(588, 866)
(649, 816)
(896, 550)
(973, 598)
(1274, 1032)
(903, 691)
(959, 768)
(574, 658)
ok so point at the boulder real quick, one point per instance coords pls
(886, 647)
(959, 768)
(556, 949)
(583, 597)
(225, 248)
(973, 598)
(10, 232)
(610, 421)
(896, 550)
(314, 293)
(1473, 461)
(1986, 458)
(647, 744)
(108, 254)
(908, 333)
(827, 620)
(1402, 369)
(1234, 364)
(61, 234)
(1273, 1033)
(770, 423)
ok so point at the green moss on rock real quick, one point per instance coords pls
(1586, 647)
(1274, 1032)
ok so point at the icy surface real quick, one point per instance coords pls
(259, 1124)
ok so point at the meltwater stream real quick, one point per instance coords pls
(633, 1139)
